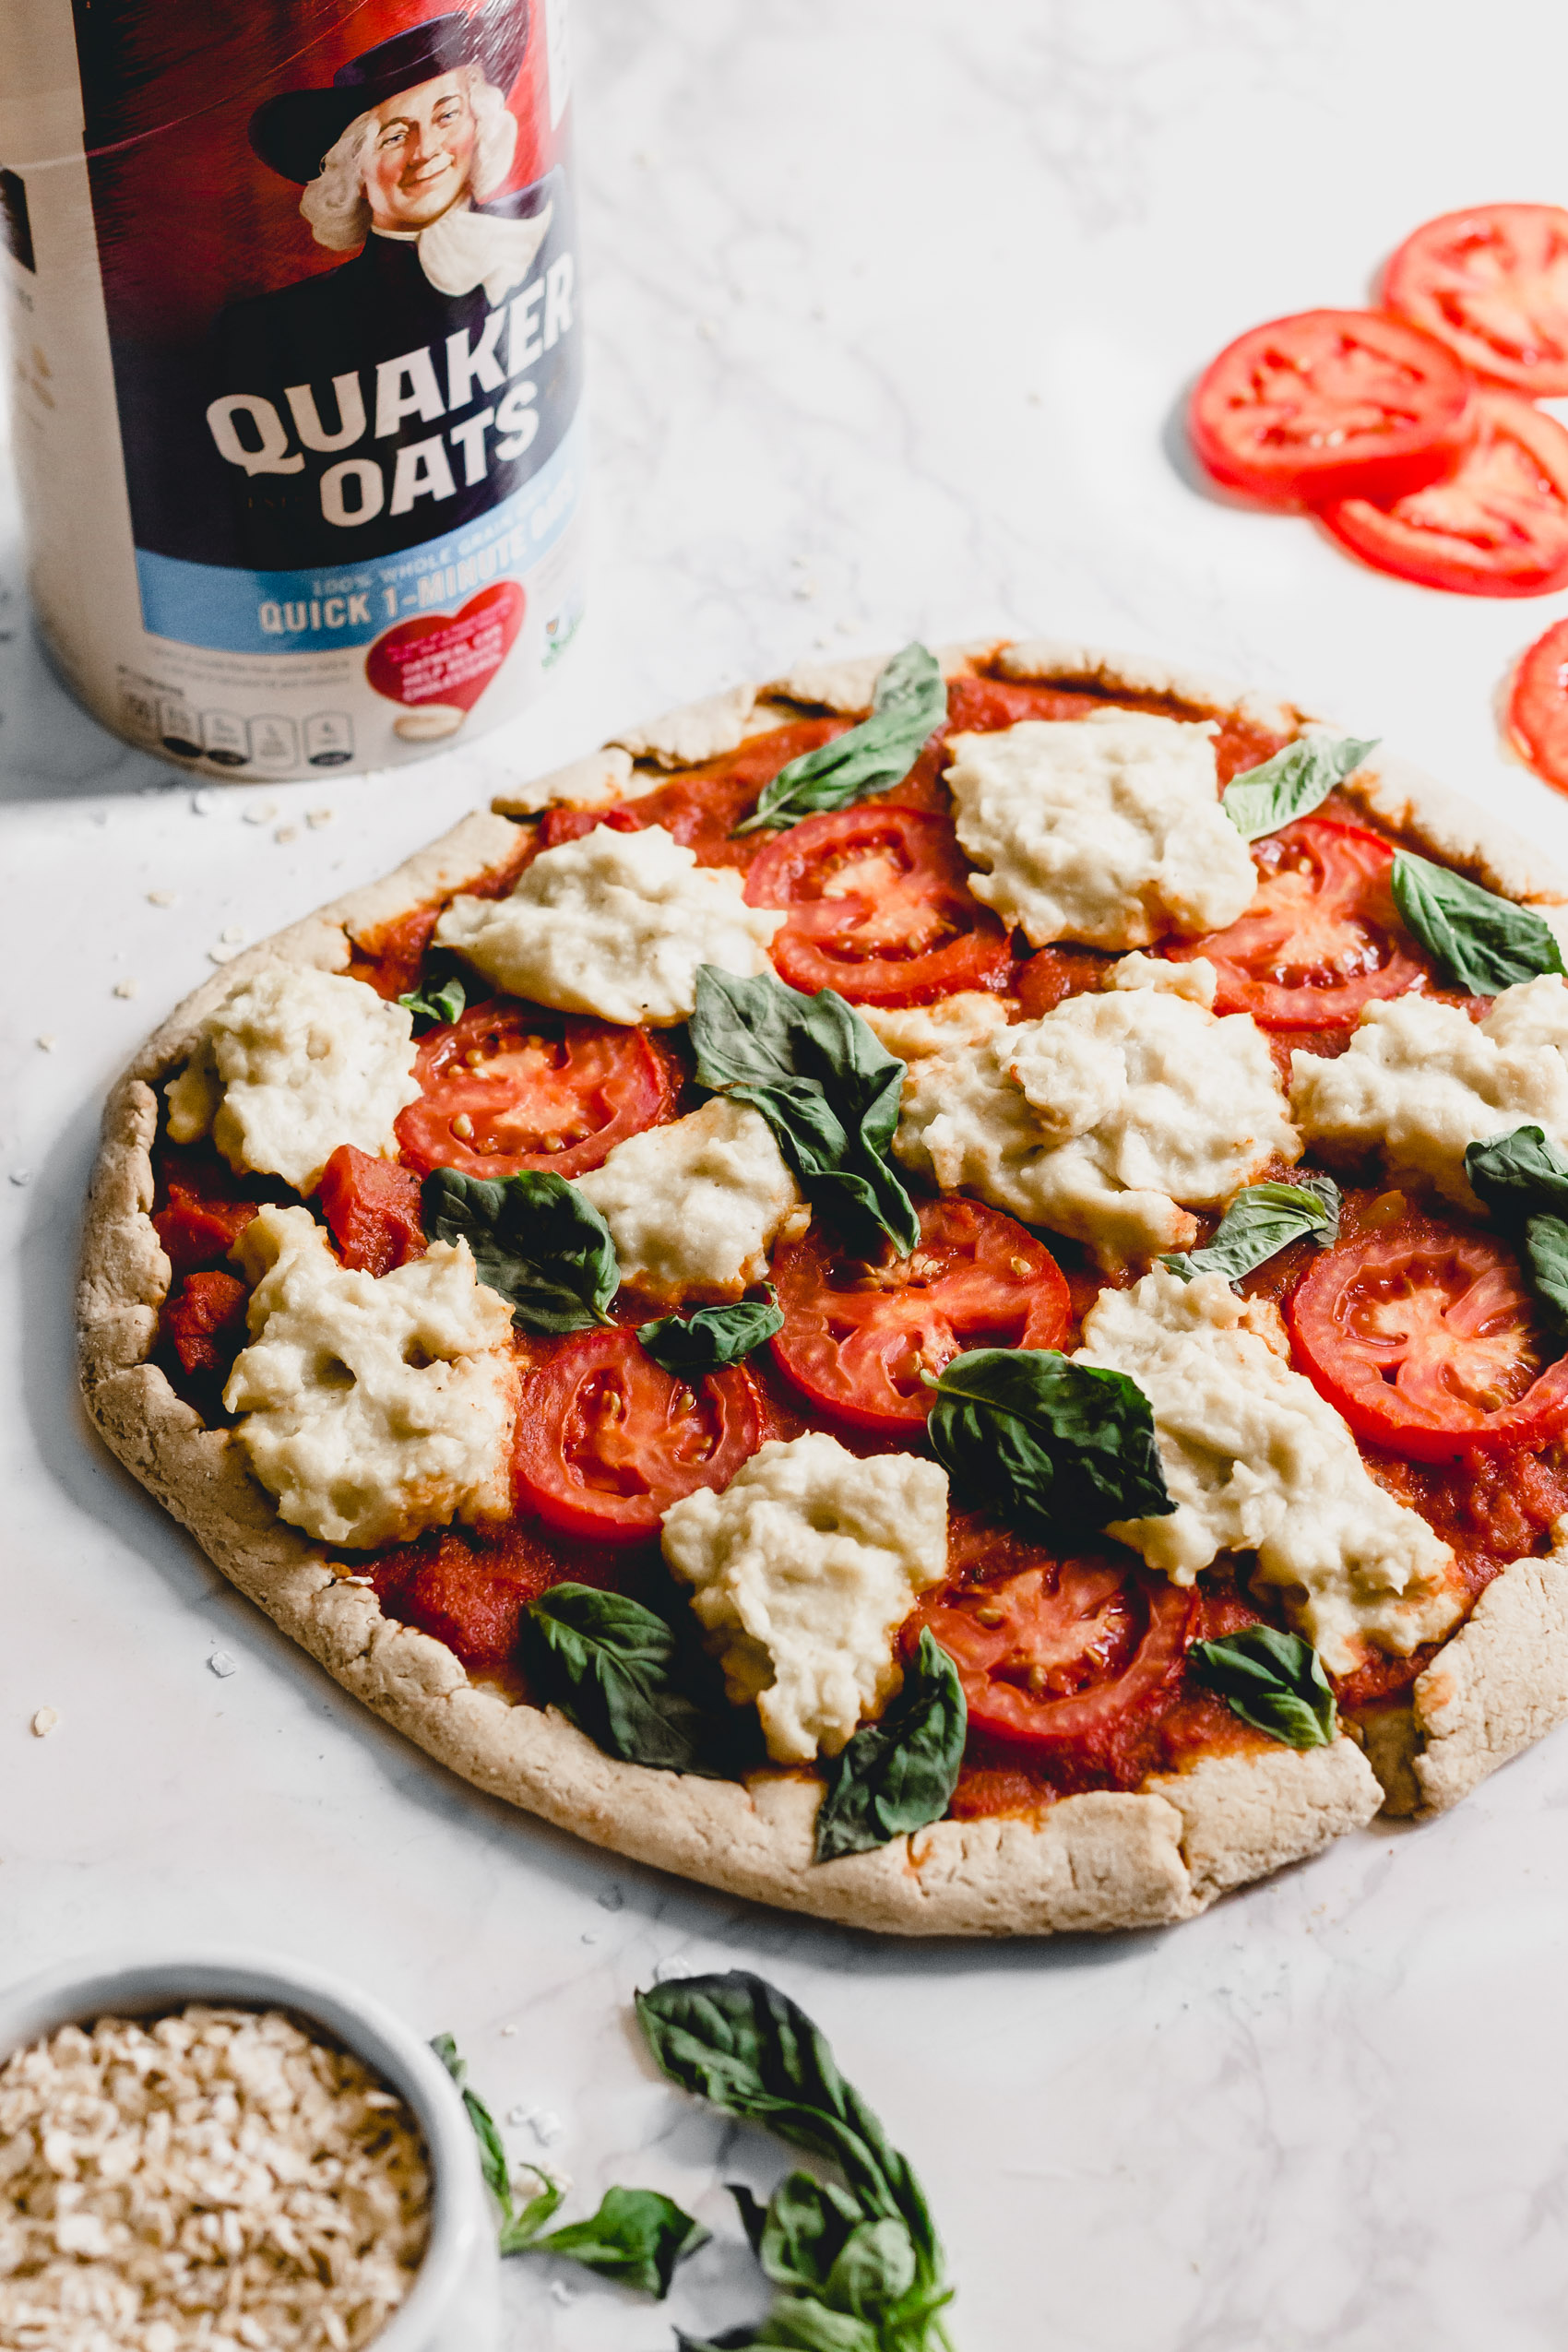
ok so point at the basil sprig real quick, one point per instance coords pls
(1262, 1220)
(1053, 1448)
(1523, 1179)
(1273, 1680)
(440, 1008)
(857, 2263)
(827, 1088)
(1292, 783)
(1485, 944)
(898, 1774)
(637, 2237)
(908, 702)
(714, 1337)
(535, 1239)
(615, 1669)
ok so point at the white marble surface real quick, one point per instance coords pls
(892, 306)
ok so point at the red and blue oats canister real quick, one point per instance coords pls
(295, 315)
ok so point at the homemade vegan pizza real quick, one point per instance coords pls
(934, 1293)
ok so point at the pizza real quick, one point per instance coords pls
(934, 1293)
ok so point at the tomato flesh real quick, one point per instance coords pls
(1329, 404)
(1493, 284)
(1537, 708)
(879, 908)
(1321, 938)
(857, 1337)
(202, 1207)
(513, 1086)
(1427, 1340)
(372, 1208)
(205, 1322)
(1496, 526)
(606, 1442)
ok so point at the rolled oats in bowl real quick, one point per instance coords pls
(215, 2177)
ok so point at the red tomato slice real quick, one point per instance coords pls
(880, 908)
(1321, 938)
(1493, 284)
(1537, 708)
(1496, 526)
(1064, 1657)
(512, 1087)
(1429, 1342)
(606, 1442)
(1330, 404)
(372, 1208)
(857, 1336)
(205, 1206)
(205, 1323)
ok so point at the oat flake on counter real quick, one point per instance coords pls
(216, 2179)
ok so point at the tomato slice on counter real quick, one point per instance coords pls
(606, 1442)
(513, 1086)
(1537, 708)
(879, 908)
(1493, 284)
(1323, 936)
(1330, 404)
(1062, 1656)
(1427, 1340)
(858, 1335)
(1496, 526)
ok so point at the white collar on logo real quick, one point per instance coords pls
(465, 249)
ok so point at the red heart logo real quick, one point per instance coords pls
(449, 657)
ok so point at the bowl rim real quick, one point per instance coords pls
(149, 1982)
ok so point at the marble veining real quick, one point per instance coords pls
(891, 308)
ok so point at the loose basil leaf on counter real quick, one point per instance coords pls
(1053, 1448)
(1485, 944)
(1523, 1179)
(535, 1239)
(612, 1668)
(826, 1086)
(711, 1338)
(1262, 1220)
(636, 2237)
(439, 1009)
(1292, 783)
(858, 2266)
(1273, 1680)
(492, 2153)
(908, 702)
(898, 1774)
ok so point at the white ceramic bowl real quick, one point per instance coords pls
(455, 2303)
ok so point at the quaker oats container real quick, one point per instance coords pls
(295, 315)
(454, 2303)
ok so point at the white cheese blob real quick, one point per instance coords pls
(374, 1408)
(1106, 829)
(693, 1206)
(293, 1062)
(802, 1571)
(1108, 1119)
(1420, 1081)
(616, 924)
(1256, 1460)
(911, 1030)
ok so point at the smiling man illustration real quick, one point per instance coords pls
(370, 406)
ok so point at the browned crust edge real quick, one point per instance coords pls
(1098, 1861)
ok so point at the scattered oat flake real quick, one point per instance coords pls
(508, 2029)
(223, 954)
(546, 2126)
(221, 1664)
(560, 2292)
(202, 803)
(318, 816)
(674, 1966)
(287, 833)
(231, 935)
(610, 1899)
(162, 899)
(44, 1721)
(261, 813)
(48, 1043)
(128, 988)
(21, 1175)
(518, 2114)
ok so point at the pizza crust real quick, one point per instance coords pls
(1093, 1862)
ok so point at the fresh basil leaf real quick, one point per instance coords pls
(1523, 1179)
(1273, 1680)
(636, 2237)
(1546, 1247)
(826, 1086)
(1262, 1220)
(714, 1337)
(799, 2323)
(898, 1774)
(910, 701)
(1053, 1448)
(612, 1668)
(518, 2234)
(440, 1008)
(492, 2152)
(806, 2226)
(535, 1239)
(1485, 944)
(1291, 784)
(874, 2270)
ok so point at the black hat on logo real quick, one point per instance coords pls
(292, 131)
